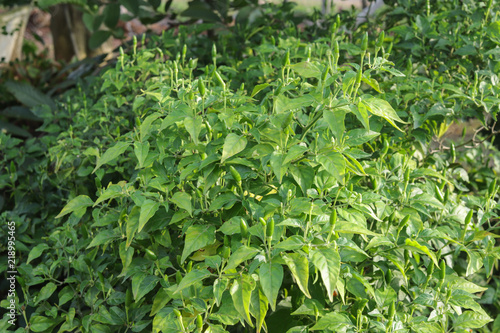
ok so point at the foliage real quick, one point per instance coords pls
(289, 183)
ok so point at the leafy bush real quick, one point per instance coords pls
(289, 185)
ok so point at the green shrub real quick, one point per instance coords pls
(290, 189)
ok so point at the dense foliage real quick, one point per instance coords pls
(279, 180)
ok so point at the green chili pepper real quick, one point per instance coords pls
(453, 153)
(270, 229)
(389, 49)
(392, 310)
(150, 255)
(407, 175)
(492, 187)
(263, 222)
(325, 73)
(359, 75)
(221, 81)
(178, 277)
(199, 322)
(442, 273)
(129, 298)
(278, 88)
(214, 54)
(201, 87)
(226, 252)
(438, 193)
(385, 147)
(467, 221)
(243, 228)
(287, 58)
(405, 221)
(364, 42)
(236, 175)
(380, 40)
(189, 267)
(388, 276)
(177, 313)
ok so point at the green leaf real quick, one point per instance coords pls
(306, 69)
(334, 164)
(241, 292)
(333, 319)
(299, 266)
(113, 191)
(336, 121)
(222, 200)
(258, 308)
(80, 202)
(148, 209)
(383, 109)
(353, 228)
(28, 95)
(183, 201)
(142, 283)
(233, 144)
(259, 88)
(41, 323)
(294, 152)
(36, 252)
(327, 261)
(141, 150)
(112, 153)
(193, 126)
(45, 292)
(132, 224)
(462, 284)
(303, 175)
(146, 124)
(165, 321)
(359, 136)
(220, 286)
(191, 278)
(240, 255)
(197, 236)
(471, 319)
(294, 242)
(104, 237)
(413, 244)
(98, 37)
(277, 165)
(427, 328)
(271, 278)
(362, 115)
(284, 104)
(111, 15)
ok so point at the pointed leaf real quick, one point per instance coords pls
(271, 277)
(383, 109)
(191, 278)
(148, 209)
(327, 261)
(80, 202)
(233, 144)
(336, 121)
(183, 201)
(193, 126)
(112, 153)
(240, 255)
(241, 292)
(258, 308)
(197, 236)
(299, 266)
